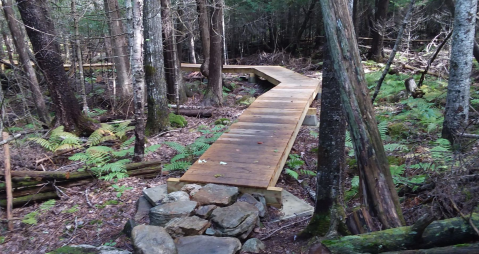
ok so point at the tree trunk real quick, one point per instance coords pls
(475, 51)
(329, 215)
(176, 93)
(214, 91)
(380, 193)
(79, 56)
(204, 26)
(22, 50)
(40, 29)
(120, 50)
(458, 89)
(376, 51)
(154, 73)
(437, 234)
(303, 26)
(190, 36)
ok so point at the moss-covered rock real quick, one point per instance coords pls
(223, 121)
(246, 100)
(177, 120)
(398, 130)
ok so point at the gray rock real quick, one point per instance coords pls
(205, 211)
(129, 225)
(152, 240)
(215, 194)
(156, 194)
(202, 244)
(237, 220)
(162, 214)
(84, 248)
(143, 207)
(176, 196)
(188, 226)
(253, 245)
(191, 189)
(248, 198)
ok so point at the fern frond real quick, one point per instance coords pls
(65, 147)
(128, 142)
(292, 173)
(307, 172)
(44, 143)
(123, 153)
(79, 157)
(179, 157)
(179, 148)
(178, 165)
(383, 129)
(152, 148)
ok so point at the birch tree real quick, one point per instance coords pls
(460, 65)
(138, 75)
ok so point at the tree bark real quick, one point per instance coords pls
(22, 50)
(176, 93)
(329, 215)
(79, 56)
(154, 70)
(376, 51)
(437, 234)
(303, 26)
(204, 26)
(40, 29)
(460, 66)
(375, 177)
(138, 74)
(214, 90)
(120, 50)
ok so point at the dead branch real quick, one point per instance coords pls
(283, 227)
(432, 59)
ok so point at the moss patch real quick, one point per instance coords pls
(398, 130)
(177, 120)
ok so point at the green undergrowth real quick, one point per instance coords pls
(188, 154)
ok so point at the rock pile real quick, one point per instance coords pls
(213, 219)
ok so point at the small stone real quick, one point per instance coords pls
(176, 196)
(186, 226)
(205, 211)
(130, 224)
(143, 207)
(207, 245)
(253, 245)
(152, 240)
(248, 198)
(191, 189)
(156, 194)
(215, 194)
(162, 214)
(237, 220)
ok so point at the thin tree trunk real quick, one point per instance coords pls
(376, 51)
(204, 26)
(22, 50)
(380, 195)
(176, 92)
(154, 73)
(458, 89)
(303, 26)
(79, 56)
(419, 84)
(138, 78)
(40, 29)
(120, 49)
(393, 53)
(214, 91)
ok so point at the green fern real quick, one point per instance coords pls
(292, 173)
(58, 140)
(383, 129)
(177, 165)
(395, 147)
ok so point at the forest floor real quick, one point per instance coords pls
(71, 220)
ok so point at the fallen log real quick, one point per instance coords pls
(195, 112)
(39, 193)
(456, 249)
(32, 178)
(437, 234)
(30, 198)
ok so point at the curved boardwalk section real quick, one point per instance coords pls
(251, 155)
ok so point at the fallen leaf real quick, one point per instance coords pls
(259, 143)
(218, 175)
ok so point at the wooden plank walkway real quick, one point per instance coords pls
(254, 150)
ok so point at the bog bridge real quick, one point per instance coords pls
(251, 155)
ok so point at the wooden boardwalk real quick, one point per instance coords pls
(251, 155)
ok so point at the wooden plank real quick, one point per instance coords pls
(261, 119)
(273, 195)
